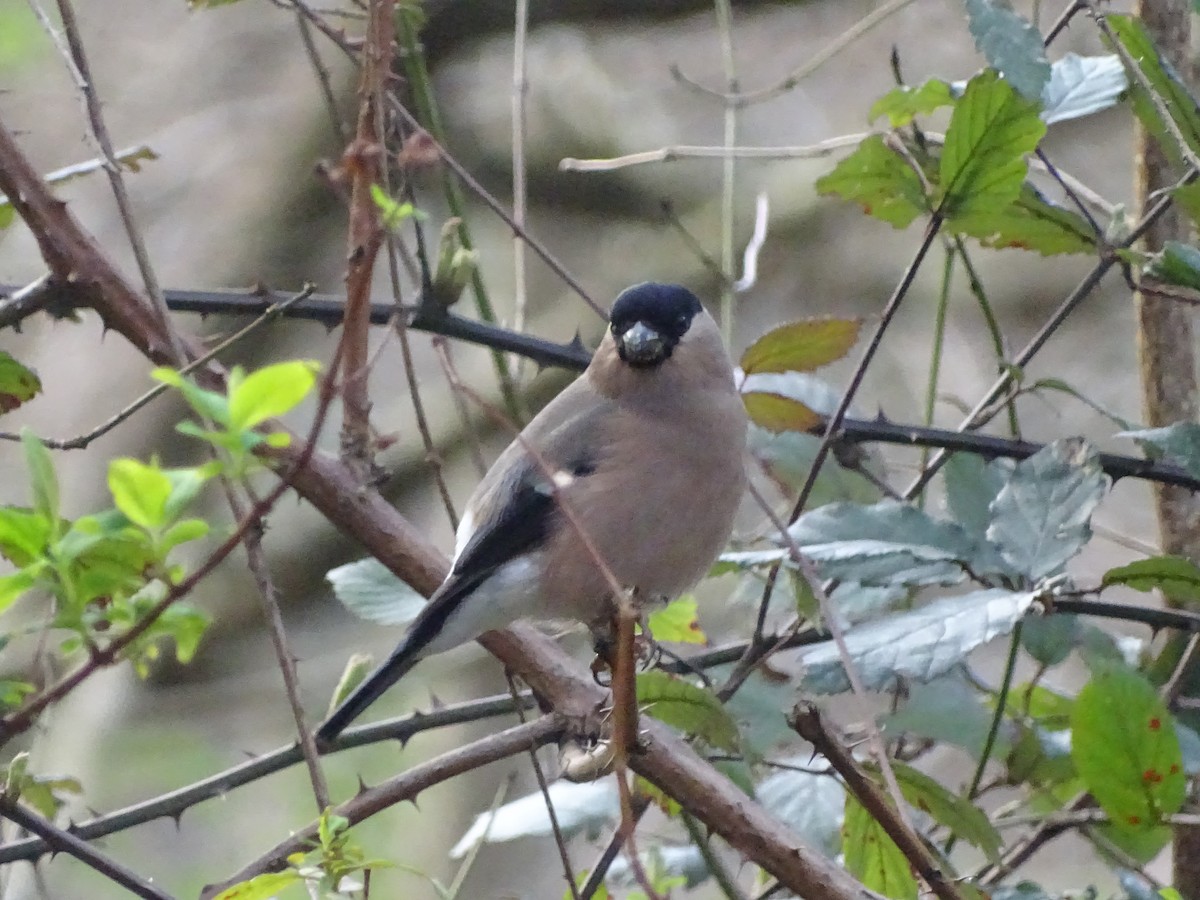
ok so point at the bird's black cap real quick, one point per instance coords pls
(668, 309)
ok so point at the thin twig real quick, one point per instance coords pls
(520, 92)
(405, 787)
(174, 803)
(78, 64)
(543, 785)
(324, 82)
(686, 151)
(83, 440)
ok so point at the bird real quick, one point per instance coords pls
(643, 452)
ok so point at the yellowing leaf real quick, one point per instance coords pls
(801, 346)
(262, 887)
(777, 413)
(677, 621)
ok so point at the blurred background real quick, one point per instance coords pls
(229, 102)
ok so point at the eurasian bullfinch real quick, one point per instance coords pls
(644, 450)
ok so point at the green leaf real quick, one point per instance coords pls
(1082, 85)
(1030, 223)
(1041, 518)
(1187, 198)
(182, 532)
(17, 383)
(24, 535)
(1050, 639)
(43, 480)
(962, 817)
(1166, 83)
(677, 622)
(872, 857)
(880, 180)
(269, 392)
(356, 670)
(801, 346)
(1175, 576)
(775, 412)
(186, 485)
(185, 625)
(392, 213)
(1125, 748)
(1177, 264)
(1010, 44)
(140, 491)
(1178, 443)
(904, 103)
(689, 708)
(983, 160)
(14, 585)
(209, 404)
(268, 885)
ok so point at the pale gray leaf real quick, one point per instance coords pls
(971, 486)
(1050, 639)
(1178, 443)
(1082, 85)
(946, 709)
(578, 807)
(1010, 44)
(812, 804)
(854, 602)
(1040, 518)
(920, 645)
(884, 563)
(369, 590)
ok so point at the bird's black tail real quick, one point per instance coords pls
(396, 666)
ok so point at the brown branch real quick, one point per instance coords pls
(363, 160)
(807, 722)
(564, 684)
(405, 786)
(65, 842)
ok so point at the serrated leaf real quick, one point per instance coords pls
(971, 486)
(369, 590)
(677, 622)
(893, 522)
(140, 491)
(43, 480)
(983, 163)
(685, 706)
(1177, 264)
(872, 857)
(1040, 519)
(586, 807)
(801, 346)
(1165, 82)
(1125, 748)
(879, 180)
(963, 818)
(1178, 443)
(268, 885)
(1011, 45)
(269, 392)
(1031, 222)
(775, 412)
(1175, 576)
(920, 645)
(884, 563)
(17, 383)
(811, 803)
(1082, 85)
(904, 103)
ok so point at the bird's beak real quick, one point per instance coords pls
(641, 345)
